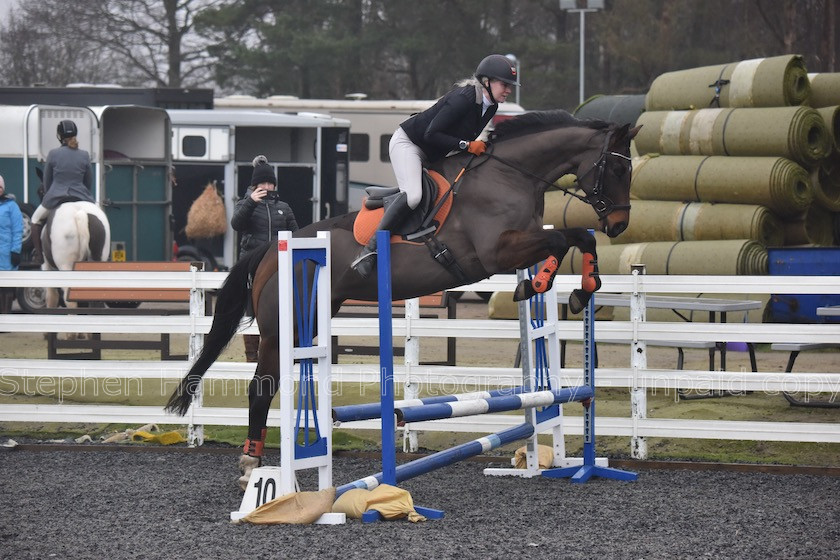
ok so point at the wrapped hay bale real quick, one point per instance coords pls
(206, 217)
(564, 211)
(777, 183)
(831, 119)
(729, 257)
(654, 220)
(825, 89)
(776, 81)
(797, 133)
(621, 109)
(825, 182)
(815, 226)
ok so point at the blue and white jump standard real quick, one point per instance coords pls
(303, 272)
(589, 468)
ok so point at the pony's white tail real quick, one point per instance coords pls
(84, 235)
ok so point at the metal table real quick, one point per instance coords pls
(830, 311)
(715, 307)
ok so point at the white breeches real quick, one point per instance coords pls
(38, 215)
(407, 161)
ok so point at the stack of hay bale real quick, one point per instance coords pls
(723, 171)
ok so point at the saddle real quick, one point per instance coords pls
(425, 220)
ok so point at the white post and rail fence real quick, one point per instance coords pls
(47, 377)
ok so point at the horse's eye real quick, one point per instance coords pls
(620, 170)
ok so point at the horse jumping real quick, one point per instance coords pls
(495, 225)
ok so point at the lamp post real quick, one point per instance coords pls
(515, 61)
(571, 6)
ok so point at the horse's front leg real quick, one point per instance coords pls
(590, 279)
(521, 249)
(261, 391)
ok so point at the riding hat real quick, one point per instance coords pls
(499, 67)
(263, 172)
(66, 129)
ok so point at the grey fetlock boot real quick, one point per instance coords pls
(396, 209)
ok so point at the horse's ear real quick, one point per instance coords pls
(633, 132)
(40, 173)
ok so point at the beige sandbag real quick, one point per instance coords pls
(206, 217)
(391, 502)
(545, 457)
(296, 508)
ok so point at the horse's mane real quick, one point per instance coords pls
(538, 121)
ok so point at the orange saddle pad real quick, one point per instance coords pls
(368, 220)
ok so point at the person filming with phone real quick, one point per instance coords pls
(258, 216)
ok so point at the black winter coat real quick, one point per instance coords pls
(455, 117)
(259, 222)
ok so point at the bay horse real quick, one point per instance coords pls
(495, 225)
(74, 231)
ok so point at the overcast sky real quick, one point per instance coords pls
(4, 7)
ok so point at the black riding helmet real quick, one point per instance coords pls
(66, 129)
(499, 67)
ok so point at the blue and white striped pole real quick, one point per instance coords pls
(444, 458)
(493, 404)
(369, 411)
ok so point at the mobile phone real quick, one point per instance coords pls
(272, 195)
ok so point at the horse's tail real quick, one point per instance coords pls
(231, 303)
(83, 233)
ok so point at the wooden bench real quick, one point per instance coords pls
(795, 348)
(115, 301)
(358, 308)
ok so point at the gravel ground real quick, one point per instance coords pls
(79, 505)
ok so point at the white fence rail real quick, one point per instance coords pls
(14, 372)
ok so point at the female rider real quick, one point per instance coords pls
(451, 124)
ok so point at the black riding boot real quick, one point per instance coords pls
(395, 213)
(38, 251)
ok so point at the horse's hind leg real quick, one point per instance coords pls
(261, 391)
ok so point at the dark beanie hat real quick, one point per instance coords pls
(263, 172)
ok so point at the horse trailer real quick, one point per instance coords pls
(130, 156)
(307, 152)
(371, 125)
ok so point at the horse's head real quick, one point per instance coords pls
(549, 144)
(603, 174)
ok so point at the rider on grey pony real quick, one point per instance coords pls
(450, 124)
(67, 177)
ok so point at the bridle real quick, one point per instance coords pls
(600, 202)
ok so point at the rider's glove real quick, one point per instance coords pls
(477, 147)
(15, 258)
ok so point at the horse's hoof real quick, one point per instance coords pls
(247, 464)
(578, 299)
(523, 291)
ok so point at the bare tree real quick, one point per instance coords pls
(32, 55)
(131, 42)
